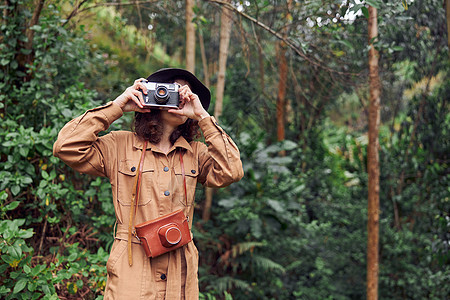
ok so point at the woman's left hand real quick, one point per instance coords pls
(190, 105)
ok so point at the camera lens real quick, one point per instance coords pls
(161, 95)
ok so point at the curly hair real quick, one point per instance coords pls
(149, 126)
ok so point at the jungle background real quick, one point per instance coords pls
(295, 227)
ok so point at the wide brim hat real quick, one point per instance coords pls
(168, 75)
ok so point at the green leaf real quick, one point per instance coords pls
(44, 174)
(23, 151)
(228, 202)
(15, 189)
(290, 145)
(20, 285)
(365, 12)
(27, 180)
(19, 222)
(13, 205)
(25, 51)
(7, 258)
(15, 251)
(38, 269)
(373, 3)
(36, 28)
(26, 234)
(72, 257)
(32, 286)
(356, 7)
(4, 290)
(346, 43)
(66, 112)
(46, 290)
(26, 269)
(275, 205)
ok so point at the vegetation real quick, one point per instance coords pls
(296, 226)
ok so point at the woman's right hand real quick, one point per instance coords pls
(131, 99)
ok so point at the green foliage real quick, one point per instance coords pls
(26, 279)
(280, 229)
(42, 257)
(415, 185)
(295, 226)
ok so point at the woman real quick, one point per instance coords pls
(116, 155)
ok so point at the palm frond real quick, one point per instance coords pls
(227, 283)
(240, 248)
(266, 264)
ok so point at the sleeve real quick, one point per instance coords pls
(219, 163)
(79, 146)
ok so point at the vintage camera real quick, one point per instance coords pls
(161, 95)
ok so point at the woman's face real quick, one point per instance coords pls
(174, 119)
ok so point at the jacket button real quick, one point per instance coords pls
(133, 169)
(193, 171)
(163, 276)
(166, 193)
(166, 169)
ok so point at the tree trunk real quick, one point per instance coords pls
(447, 10)
(281, 96)
(204, 59)
(190, 36)
(24, 59)
(225, 27)
(373, 166)
(282, 82)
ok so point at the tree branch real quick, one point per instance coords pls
(77, 9)
(34, 21)
(137, 3)
(288, 42)
(74, 12)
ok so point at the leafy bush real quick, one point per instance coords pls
(49, 243)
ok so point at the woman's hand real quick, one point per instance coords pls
(131, 99)
(190, 105)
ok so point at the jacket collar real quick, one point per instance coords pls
(181, 142)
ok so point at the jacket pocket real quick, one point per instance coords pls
(118, 249)
(126, 177)
(191, 176)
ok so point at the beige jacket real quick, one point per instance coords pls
(116, 155)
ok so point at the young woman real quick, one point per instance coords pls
(116, 155)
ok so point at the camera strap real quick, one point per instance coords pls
(184, 177)
(135, 198)
(134, 202)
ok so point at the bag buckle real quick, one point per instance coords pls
(135, 235)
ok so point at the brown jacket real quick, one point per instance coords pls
(116, 156)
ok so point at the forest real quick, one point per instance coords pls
(292, 84)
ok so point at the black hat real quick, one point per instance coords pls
(168, 75)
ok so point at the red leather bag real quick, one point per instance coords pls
(161, 235)
(164, 234)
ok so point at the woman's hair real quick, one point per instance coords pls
(149, 126)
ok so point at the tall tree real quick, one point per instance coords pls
(373, 165)
(204, 59)
(190, 36)
(225, 28)
(283, 71)
(447, 10)
(24, 59)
